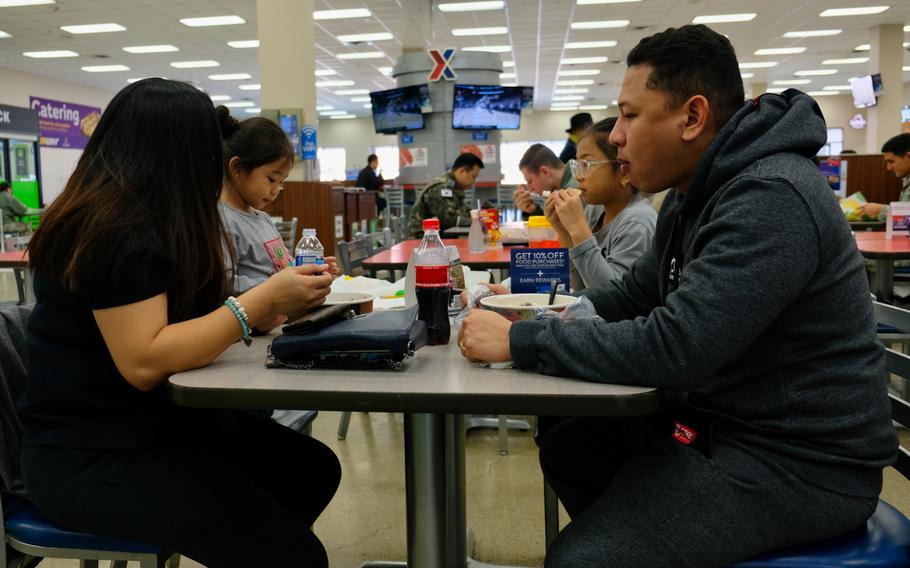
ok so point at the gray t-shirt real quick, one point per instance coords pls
(612, 250)
(261, 251)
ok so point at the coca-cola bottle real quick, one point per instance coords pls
(432, 284)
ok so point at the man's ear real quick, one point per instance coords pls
(698, 116)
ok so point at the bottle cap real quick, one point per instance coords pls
(431, 224)
(538, 221)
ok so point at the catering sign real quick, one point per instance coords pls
(64, 125)
(534, 269)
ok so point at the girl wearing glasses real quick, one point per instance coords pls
(603, 248)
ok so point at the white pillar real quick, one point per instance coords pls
(886, 58)
(758, 88)
(287, 63)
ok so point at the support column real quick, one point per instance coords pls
(287, 63)
(886, 57)
(758, 89)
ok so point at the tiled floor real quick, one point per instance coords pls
(366, 520)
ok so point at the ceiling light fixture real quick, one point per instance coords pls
(814, 72)
(14, 3)
(93, 28)
(212, 21)
(151, 48)
(231, 77)
(847, 61)
(341, 14)
(50, 54)
(583, 60)
(345, 92)
(569, 98)
(325, 72)
(244, 44)
(593, 107)
(333, 113)
(361, 55)
(339, 83)
(489, 48)
(105, 68)
(590, 44)
(570, 91)
(861, 11)
(219, 98)
(254, 110)
(593, 2)
(793, 82)
(578, 72)
(471, 6)
(599, 25)
(194, 64)
(358, 38)
(863, 47)
(780, 51)
(758, 65)
(498, 30)
(4, 34)
(822, 93)
(240, 104)
(342, 117)
(747, 75)
(360, 99)
(250, 87)
(723, 18)
(837, 88)
(812, 33)
(574, 82)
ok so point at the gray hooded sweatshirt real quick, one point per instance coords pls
(751, 310)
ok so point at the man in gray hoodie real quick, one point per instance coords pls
(759, 329)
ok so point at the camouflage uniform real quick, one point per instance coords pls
(443, 199)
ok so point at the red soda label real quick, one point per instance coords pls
(432, 276)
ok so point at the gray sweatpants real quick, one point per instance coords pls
(639, 498)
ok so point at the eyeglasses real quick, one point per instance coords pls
(581, 167)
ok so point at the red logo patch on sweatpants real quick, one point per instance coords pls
(683, 434)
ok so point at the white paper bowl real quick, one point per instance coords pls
(514, 307)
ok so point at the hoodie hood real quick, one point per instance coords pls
(790, 122)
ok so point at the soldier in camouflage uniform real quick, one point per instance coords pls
(443, 198)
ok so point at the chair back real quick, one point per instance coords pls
(394, 197)
(505, 197)
(469, 198)
(352, 253)
(380, 240)
(288, 232)
(897, 363)
(399, 228)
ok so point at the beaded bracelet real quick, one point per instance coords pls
(241, 316)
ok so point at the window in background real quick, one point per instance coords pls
(331, 163)
(511, 153)
(835, 144)
(388, 160)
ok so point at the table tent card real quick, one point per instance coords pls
(898, 224)
(534, 269)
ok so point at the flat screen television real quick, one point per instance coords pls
(486, 107)
(400, 109)
(863, 92)
(527, 97)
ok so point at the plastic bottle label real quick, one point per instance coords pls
(308, 259)
(432, 276)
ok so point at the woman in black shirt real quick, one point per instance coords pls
(130, 285)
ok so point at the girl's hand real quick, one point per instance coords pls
(571, 213)
(298, 288)
(332, 263)
(549, 210)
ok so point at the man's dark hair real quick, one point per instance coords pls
(467, 161)
(692, 60)
(4, 185)
(899, 145)
(538, 156)
(372, 158)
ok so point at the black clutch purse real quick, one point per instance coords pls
(377, 340)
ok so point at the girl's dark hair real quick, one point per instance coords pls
(148, 181)
(255, 141)
(600, 132)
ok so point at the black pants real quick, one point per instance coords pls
(246, 494)
(639, 498)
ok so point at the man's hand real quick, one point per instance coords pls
(524, 200)
(484, 336)
(870, 210)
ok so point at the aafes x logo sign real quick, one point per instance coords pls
(442, 59)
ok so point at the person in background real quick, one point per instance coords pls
(543, 171)
(603, 243)
(370, 178)
(444, 197)
(257, 158)
(776, 424)
(11, 208)
(577, 126)
(897, 161)
(131, 288)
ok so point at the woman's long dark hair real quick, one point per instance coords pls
(149, 176)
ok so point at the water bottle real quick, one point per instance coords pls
(475, 234)
(308, 250)
(432, 284)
